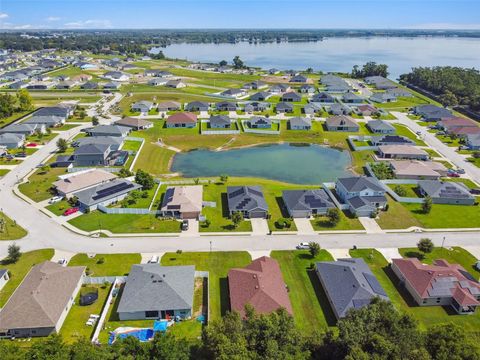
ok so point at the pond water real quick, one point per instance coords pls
(340, 54)
(292, 163)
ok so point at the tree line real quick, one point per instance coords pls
(377, 331)
(11, 104)
(452, 85)
(371, 68)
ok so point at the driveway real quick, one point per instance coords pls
(474, 250)
(62, 254)
(304, 226)
(370, 225)
(192, 228)
(390, 253)
(339, 253)
(259, 226)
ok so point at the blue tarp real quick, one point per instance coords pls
(160, 325)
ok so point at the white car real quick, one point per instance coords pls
(303, 245)
(55, 199)
(63, 262)
(154, 260)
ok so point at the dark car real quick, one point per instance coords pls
(475, 191)
(184, 225)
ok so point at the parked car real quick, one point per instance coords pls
(460, 171)
(63, 262)
(418, 133)
(477, 265)
(154, 260)
(453, 174)
(71, 211)
(32, 144)
(55, 199)
(303, 245)
(21, 155)
(184, 225)
(440, 132)
(475, 191)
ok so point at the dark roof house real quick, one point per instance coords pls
(248, 200)
(305, 203)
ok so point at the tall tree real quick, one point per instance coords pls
(25, 102)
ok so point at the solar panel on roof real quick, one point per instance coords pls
(112, 190)
(374, 284)
(255, 192)
(235, 193)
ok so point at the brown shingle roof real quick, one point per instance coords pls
(133, 122)
(182, 118)
(259, 284)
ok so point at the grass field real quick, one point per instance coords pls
(397, 216)
(446, 216)
(20, 269)
(106, 264)
(311, 310)
(217, 264)
(347, 222)
(10, 230)
(38, 185)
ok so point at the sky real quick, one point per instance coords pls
(195, 14)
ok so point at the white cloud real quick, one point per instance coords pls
(446, 26)
(89, 24)
(53, 18)
(10, 26)
(3, 15)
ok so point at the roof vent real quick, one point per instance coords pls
(256, 286)
(254, 276)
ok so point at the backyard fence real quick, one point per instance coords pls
(326, 187)
(77, 169)
(259, 131)
(135, 211)
(99, 280)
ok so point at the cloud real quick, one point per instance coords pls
(53, 18)
(446, 26)
(89, 24)
(3, 15)
(10, 26)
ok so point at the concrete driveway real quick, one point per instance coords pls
(370, 225)
(304, 226)
(193, 225)
(339, 253)
(259, 226)
(390, 253)
(62, 254)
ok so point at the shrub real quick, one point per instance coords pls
(101, 260)
(400, 190)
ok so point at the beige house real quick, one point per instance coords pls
(418, 170)
(68, 185)
(184, 202)
(402, 152)
(40, 304)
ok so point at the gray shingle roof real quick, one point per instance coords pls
(306, 199)
(300, 121)
(154, 287)
(380, 125)
(360, 183)
(105, 192)
(349, 283)
(246, 198)
(445, 189)
(220, 120)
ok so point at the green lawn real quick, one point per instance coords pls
(426, 316)
(113, 264)
(74, 326)
(446, 216)
(311, 310)
(467, 182)
(59, 207)
(4, 172)
(217, 264)
(130, 145)
(410, 189)
(38, 185)
(405, 131)
(10, 230)
(8, 120)
(20, 269)
(396, 217)
(124, 223)
(347, 222)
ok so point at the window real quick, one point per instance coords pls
(151, 314)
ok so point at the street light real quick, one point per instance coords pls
(443, 241)
(210, 245)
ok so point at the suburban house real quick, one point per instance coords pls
(153, 291)
(311, 108)
(156, 73)
(283, 107)
(11, 141)
(348, 284)
(65, 85)
(183, 202)
(23, 129)
(418, 170)
(220, 122)
(306, 203)
(323, 98)
(259, 284)
(339, 109)
(260, 122)
(463, 131)
(445, 192)
(116, 76)
(299, 79)
(108, 130)
(170, 106)
(181, 120)
(69, 184)
(41, 302)
(113, 85)
(256, 106)
(432, 112)
(383, 97)
(248, 200)
(260, 96)
(380, 127)
(363, 195)
(92, 155)
(307, 89)
(341, 87)
(255, 85)
(439, 284)
(176, 84)
(105, 194)
(473, 141)
(158, 81)
(48, 120)
(143, 106)
(391, 140)
(197, 106)
(367, 110)
(380, 82)
(351, 98)
(280, 88)
(291, 97)
(455, 122)
(134, 123)
(399, 92)
(400, 152)
(300, 123)
(115, 142)
(226, 106)
(3, 277)
(234, 93)
(341, 123)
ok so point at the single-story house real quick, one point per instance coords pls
(306, 203)
(402, 152)
(445, 192)
(157, 73)
(197, 106)
(115, 142)
(380, 127)
(170, 106)
(11, 140)
(62, 110)
(261, 96)
(105, 194)
(23, 129)
(280, 88)
(89, 85)
(143, 106)
(48, 120)
(311, 108)
(183, 119)
(383, 97)
(463, 131)
(432, 112)
(323, 98)
(220, 122)
(108, 130)
(473, 141)
(65, 85)
(351, 98)
(283, 107)
(3, 277)
(367, 110)
(455, 122)
(341, 123)
(348, 284)
(153, 291)
(226, 106)
(339, 109)
(291, 97)
(339, 88)
(439, 284)
(298, 79)
(234, 93)
(116, 76)
(158, 81)
(255, 85)
(418, 170)
(380, 82)
(71, 183)
(256, 106)
(134, 123)
(41, 302)
(183, 202)
(391, 140)
(300, 123)
(399, 92)
(363, 195)
(248, 200)
(307, 89)
(91, 155)
(112, 85)
(260, 122)
(259, 284)
(176, 84)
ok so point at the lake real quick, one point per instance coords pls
(340, 54)
(292, 163)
